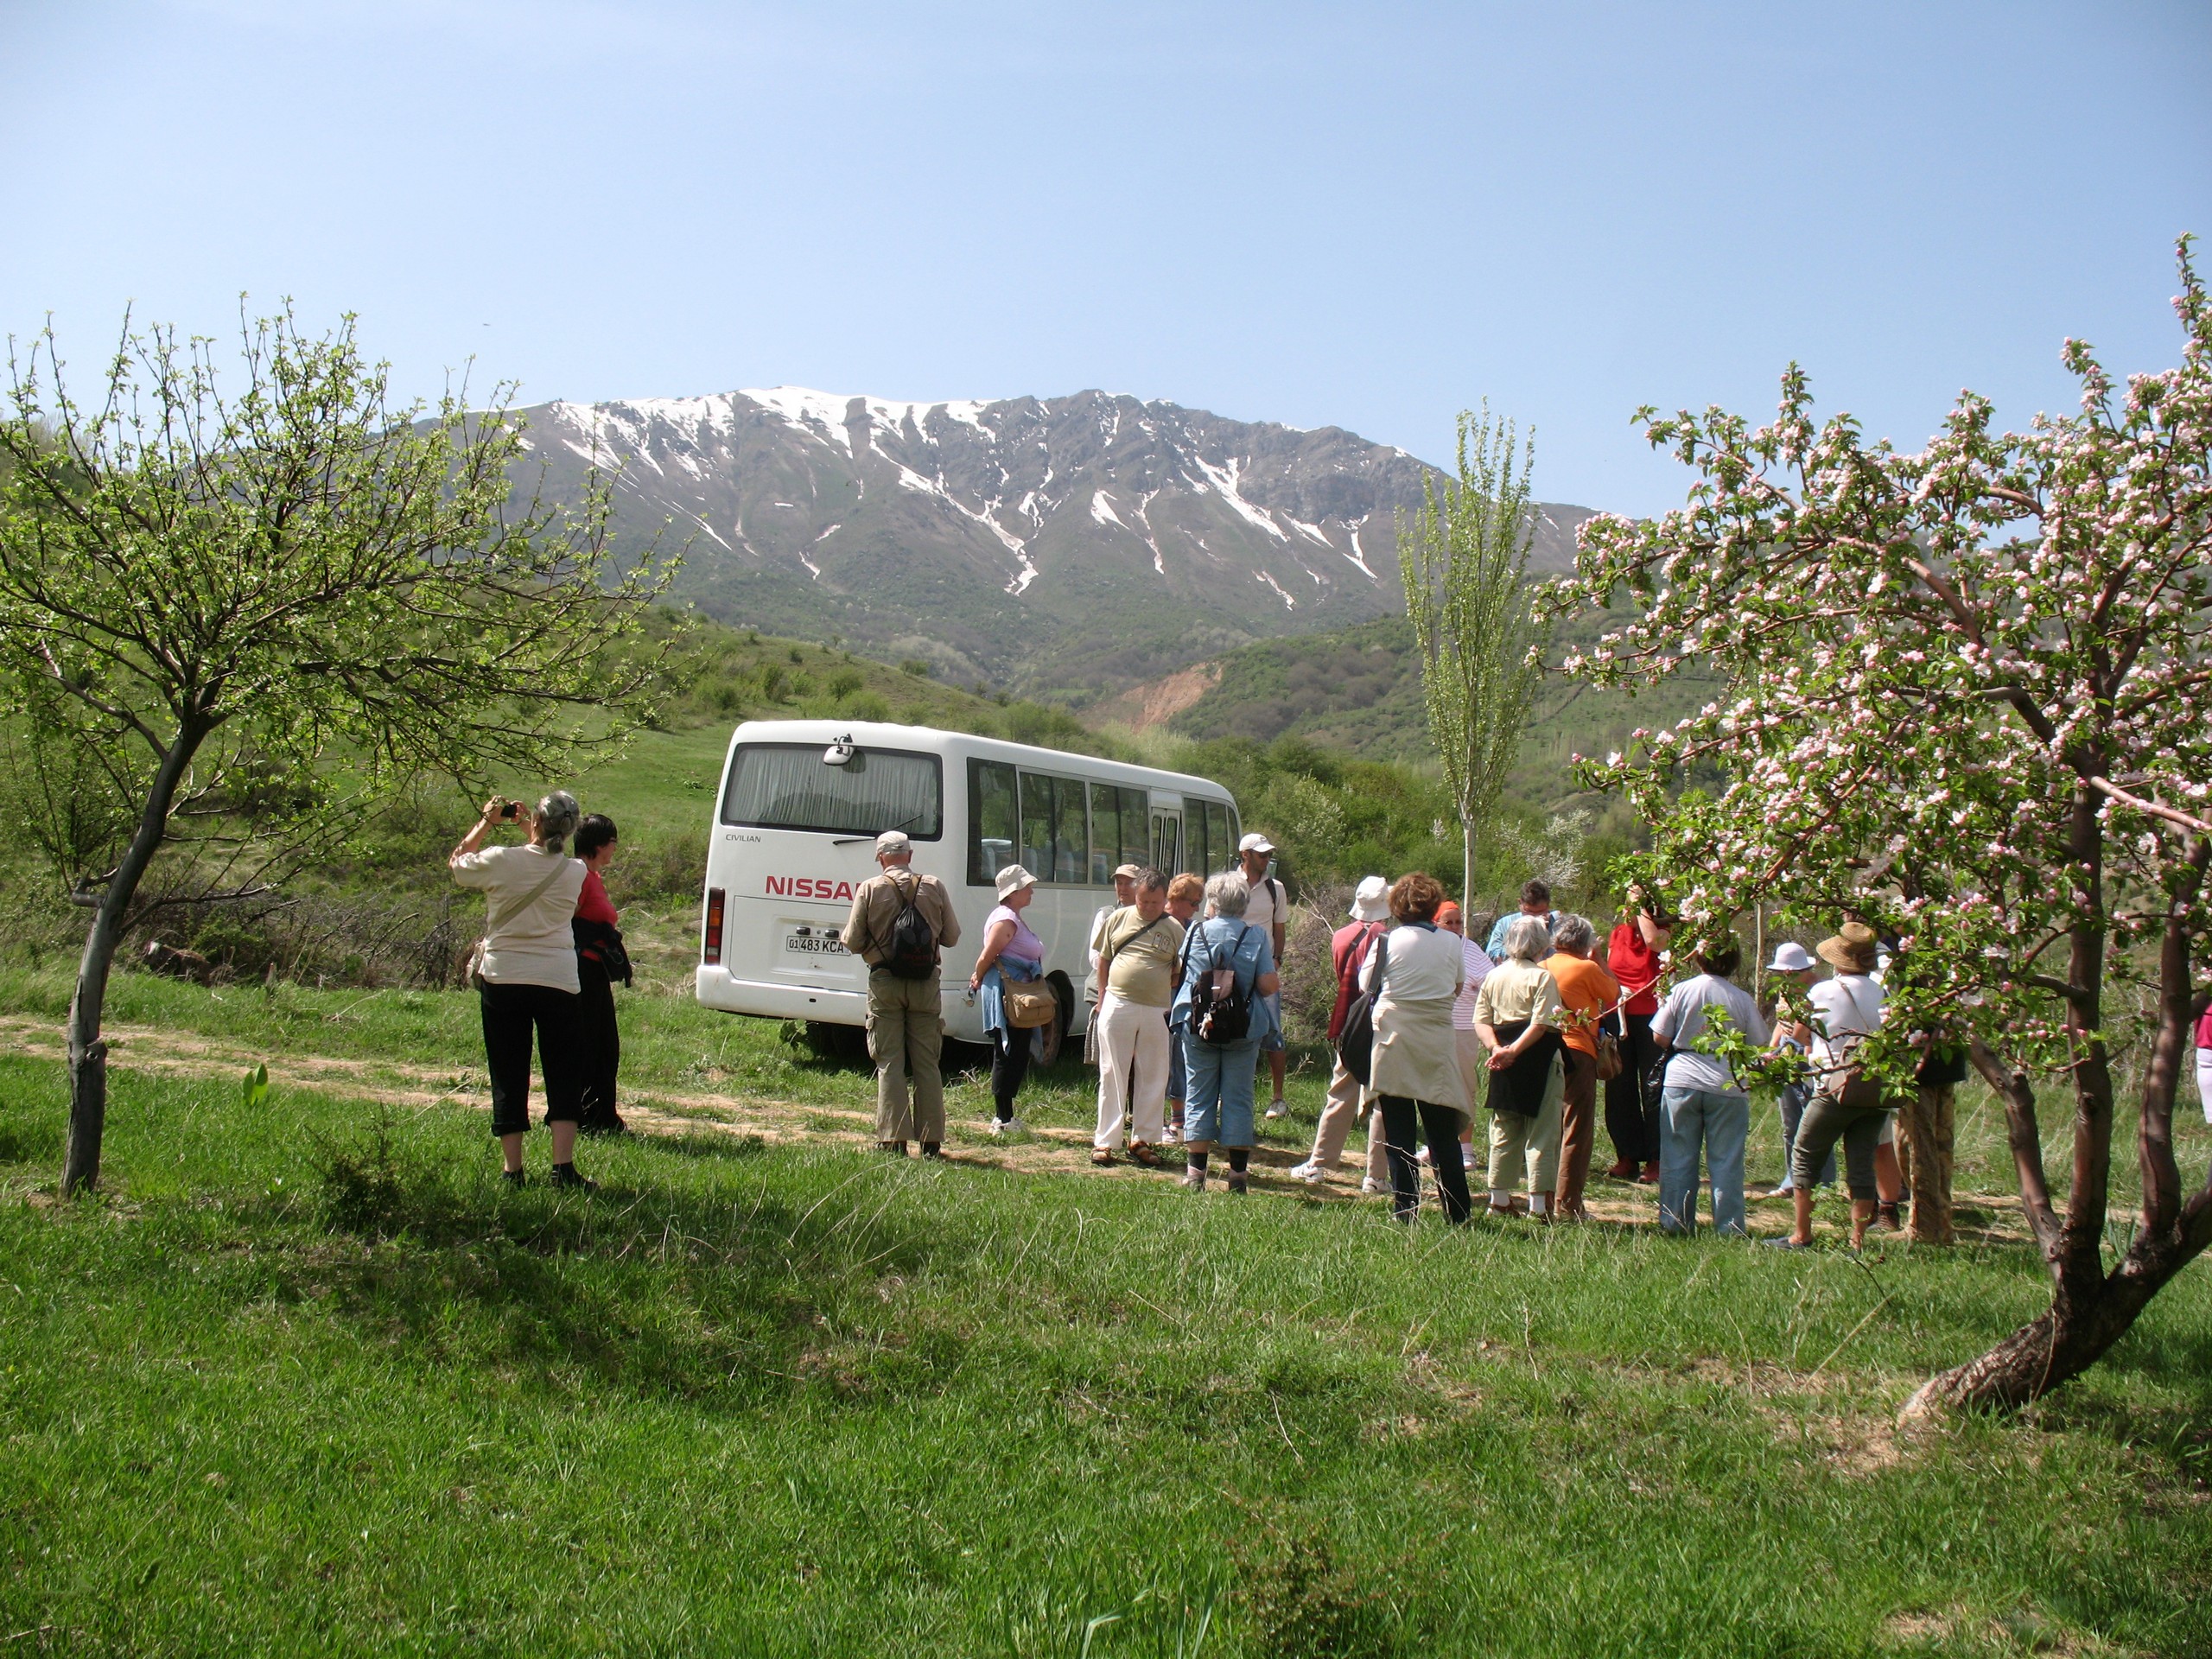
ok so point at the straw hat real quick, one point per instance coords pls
(1014, 879)
(1852, 949)
(1371, 902)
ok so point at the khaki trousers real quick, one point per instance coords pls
(1348, 1104)
(1132, 1071)
(1519, 1144)
(1925, 1122)
(906, 1035)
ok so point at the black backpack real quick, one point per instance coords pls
(1221, 1011)
(912, 954)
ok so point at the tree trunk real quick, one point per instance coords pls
(80, 1157)
(2074, 1332)
(1466, 873)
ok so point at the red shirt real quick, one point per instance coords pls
(1347, 947)
(594, 905)
(1636, 964)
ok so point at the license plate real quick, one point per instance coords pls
(812, 941)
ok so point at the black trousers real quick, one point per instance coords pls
(600, 1045)
(1009, 1068)
(1632, 1097)
(511, 1013)
(1440, 1127)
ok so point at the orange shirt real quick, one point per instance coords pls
(1586, 991)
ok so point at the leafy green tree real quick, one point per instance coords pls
(235, 624)
(1464, 559)
(1969, 696)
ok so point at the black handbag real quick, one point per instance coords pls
(1356, 1042)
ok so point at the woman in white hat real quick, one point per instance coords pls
(1794, 967)
(1347, 1103)
(1011, 952)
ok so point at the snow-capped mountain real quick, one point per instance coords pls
(1068, 545)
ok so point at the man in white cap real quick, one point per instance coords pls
(1269, 908)
(1125, 894)
(1348, 952)
(1794, 965)
(899, 924)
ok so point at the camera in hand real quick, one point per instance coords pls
(511, 810)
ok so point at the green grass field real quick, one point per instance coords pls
(276, 1391)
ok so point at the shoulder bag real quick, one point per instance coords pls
(484, 945)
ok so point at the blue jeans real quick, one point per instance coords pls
(1691, 1119)
(1218, 1104)
(1793, 1109)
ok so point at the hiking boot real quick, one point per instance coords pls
(1194, 1179)
(1236, 1181)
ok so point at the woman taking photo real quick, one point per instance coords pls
(526, 972)
(1012, 955)
(1414, 976)
(1218, 1074)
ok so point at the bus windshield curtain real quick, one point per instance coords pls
(786, 786)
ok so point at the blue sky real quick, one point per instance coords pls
(1365, 215)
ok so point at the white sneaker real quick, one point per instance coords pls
(1466, 1156)
(1011, 1126)
(1421, 1157)
(1310, 1173)
(1170, 1136)
(1371, 1187)
(1276, 1109)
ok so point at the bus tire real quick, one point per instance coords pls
(1046, 1048)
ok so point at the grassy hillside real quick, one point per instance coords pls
(307, 1379)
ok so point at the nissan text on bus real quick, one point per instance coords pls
(795, 824)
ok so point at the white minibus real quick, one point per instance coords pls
(794, 830)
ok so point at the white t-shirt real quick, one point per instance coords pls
(1681, 1020)
(1476, 961)
(1268, 906)
(534, 945)
(1847, 1005)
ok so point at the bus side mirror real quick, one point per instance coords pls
(838, 752)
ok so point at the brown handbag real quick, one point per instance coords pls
(1609, 1056)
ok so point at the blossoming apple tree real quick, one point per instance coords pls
(1969, 697)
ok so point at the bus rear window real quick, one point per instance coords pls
(786, 786)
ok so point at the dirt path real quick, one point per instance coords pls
(155, 1051)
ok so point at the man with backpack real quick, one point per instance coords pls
(899, 924)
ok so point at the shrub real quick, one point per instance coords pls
(771, 681)
(845, 682)
(915, 666)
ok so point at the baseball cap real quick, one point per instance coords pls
(1256, 842)
(892, 841)
(1130, 870)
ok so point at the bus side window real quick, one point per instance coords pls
(1070, 833)
(1136, 827)
(991, 820)
(1105, 833)
(1221, 840)
(1037, 825)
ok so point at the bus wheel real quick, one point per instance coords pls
(1045, 1046)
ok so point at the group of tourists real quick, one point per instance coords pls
(1428, 1028)
(1183, 1005)
(545, 970)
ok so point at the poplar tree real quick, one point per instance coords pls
(1464, 560)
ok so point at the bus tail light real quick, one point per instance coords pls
(711, 952)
